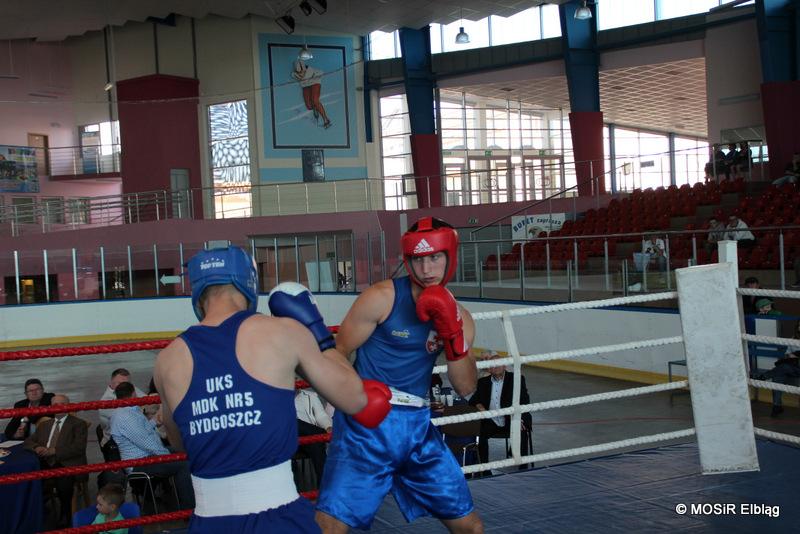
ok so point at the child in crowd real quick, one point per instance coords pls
(109, 499)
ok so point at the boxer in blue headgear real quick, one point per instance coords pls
(227, 387)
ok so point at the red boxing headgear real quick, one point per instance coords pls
(431, 236)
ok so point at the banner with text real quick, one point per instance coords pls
(531, 226)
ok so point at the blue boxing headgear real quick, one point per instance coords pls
(215, 267)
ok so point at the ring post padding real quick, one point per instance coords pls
(728, 253)
(717, 377)
(516, 417)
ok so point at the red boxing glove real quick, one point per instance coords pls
(377, 407)
(438, 305)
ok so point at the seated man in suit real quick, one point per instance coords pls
(494, 392)
(60, 442)
(22, 427)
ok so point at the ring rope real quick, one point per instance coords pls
(776, 435)
(769, 293)
(157, 344)
(776, 386)
(591, 449)
(147, 400)
(146, 519)
(770, 340)
(126, 523)
(82, 351)
(79, 406)
(574, 353)
(121, 464)
(569, 306)
(560, 403)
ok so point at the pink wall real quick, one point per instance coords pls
(43, 68)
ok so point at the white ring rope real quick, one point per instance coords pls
(769, 293)
(769, 340)
(591, 449)
(776, 435)
(574, 353)
(775, 386)
(569, 306)
(560, 403)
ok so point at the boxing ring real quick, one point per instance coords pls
(726, 479)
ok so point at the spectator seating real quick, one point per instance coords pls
(653, 210)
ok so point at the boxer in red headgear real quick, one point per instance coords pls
(398, 328)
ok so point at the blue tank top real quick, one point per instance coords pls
(402, 349)
(230, 422)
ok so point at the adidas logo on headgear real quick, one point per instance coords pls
(422, 247)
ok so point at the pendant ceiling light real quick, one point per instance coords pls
(583, 12)
(462, 37)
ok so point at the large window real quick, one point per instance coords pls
(524, 26)
(396, 149)
(384, 45)
(229, 145)
(99, 151)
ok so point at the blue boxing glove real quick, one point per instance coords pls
(293, 300)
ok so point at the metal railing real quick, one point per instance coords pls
(565, 268)
(77, 160)
(590, 263)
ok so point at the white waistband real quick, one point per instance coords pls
(247, 493)
(401, 398)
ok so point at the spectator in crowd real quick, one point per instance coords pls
(716, 233)
(494, 392)
(741, 161)
(109, 500)
(60, 441)
(737, 230)
(730, 160)
(792, 172)
(22, 427)
(785, 371)
(657, 250)
(749, 301)
(764, 306)
(153, 413)
(137, 437)
(118, 376)
(716, 166)
(312, 420)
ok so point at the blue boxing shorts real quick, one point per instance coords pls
(297, 517)
(406, 455)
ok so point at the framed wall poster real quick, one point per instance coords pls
(18, 172)
(309, 98)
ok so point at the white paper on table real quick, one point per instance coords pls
(10, 443)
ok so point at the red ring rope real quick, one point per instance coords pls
(121, 464)
(94, 349)
(6, 413)
(147, 519)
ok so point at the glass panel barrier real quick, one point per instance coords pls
(59, 264)
(144, 274)
(88, 272)
(32, 285)
(117, 279)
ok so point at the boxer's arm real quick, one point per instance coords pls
(329, 372)
(463, 373)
